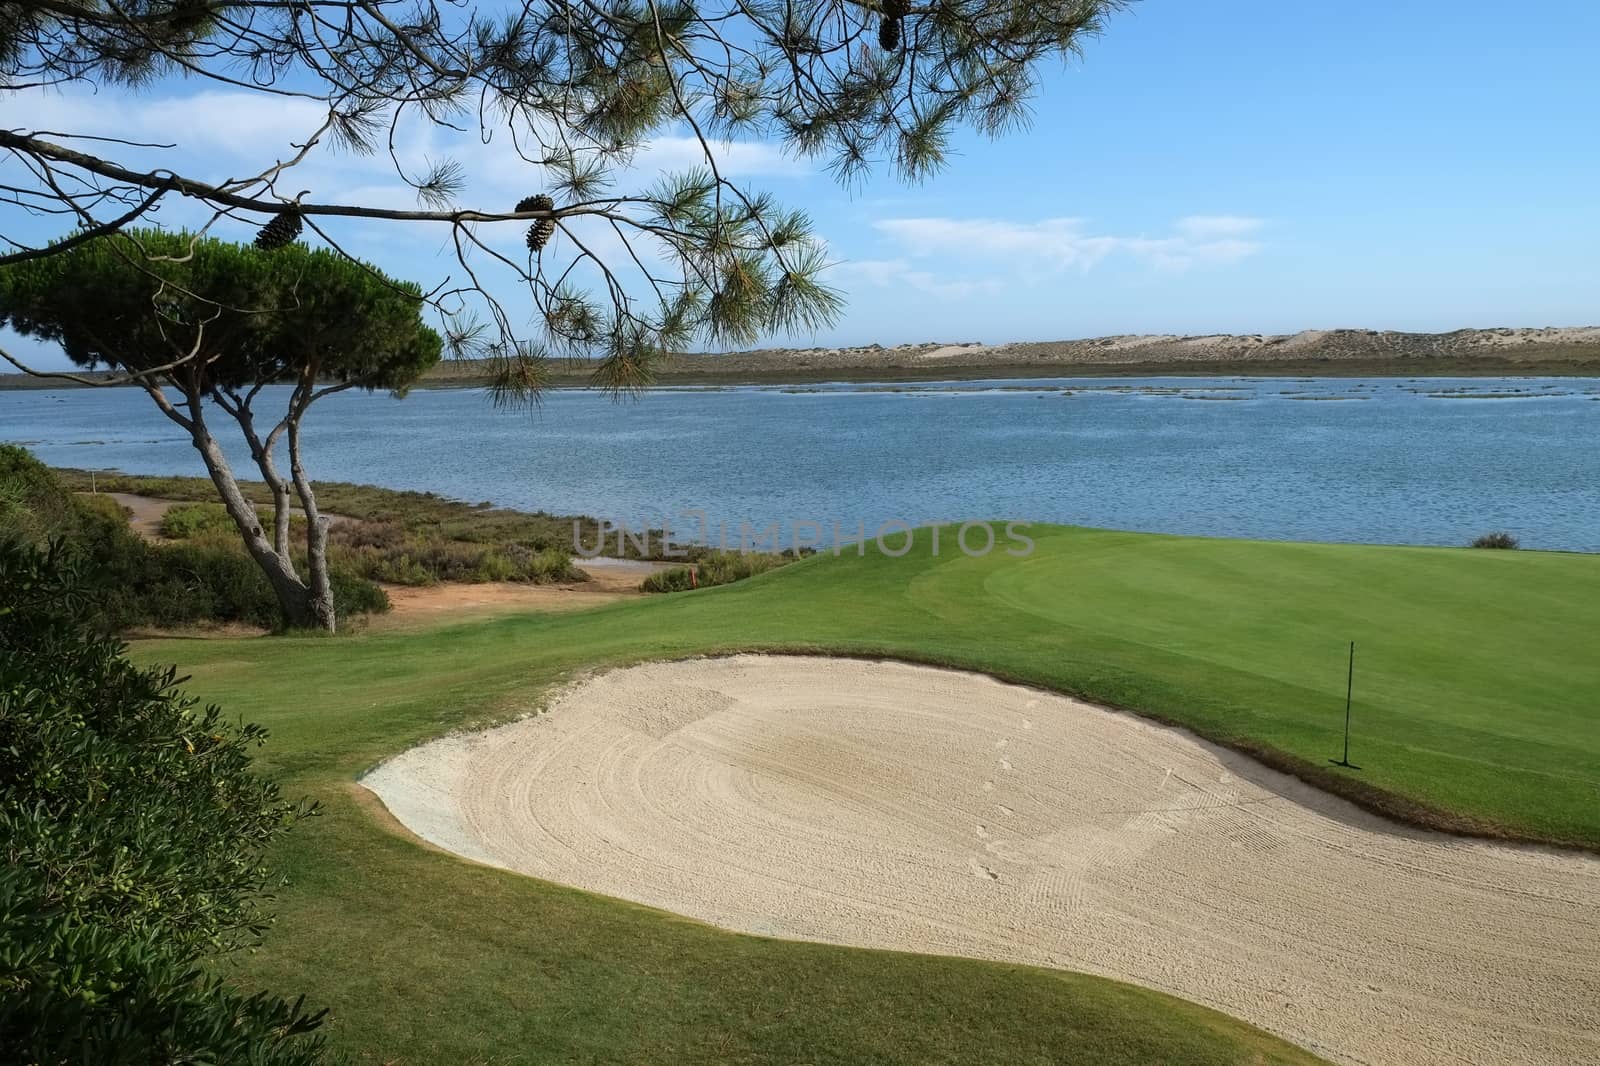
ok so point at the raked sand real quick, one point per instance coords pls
(894, 806)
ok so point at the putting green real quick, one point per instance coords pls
(1477, 700)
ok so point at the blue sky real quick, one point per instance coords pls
(1225, 166)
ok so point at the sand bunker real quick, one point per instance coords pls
(894, 806)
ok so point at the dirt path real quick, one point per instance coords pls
(453, 602)
(609, 580)
(901, 807)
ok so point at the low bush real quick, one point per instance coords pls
(717, 568)
(1498, 539)
(385, 551)
(32, 503)
(354, 594)
(135, 836)
(204, 578)
(185, 521)
(186, 583)
(422, 513)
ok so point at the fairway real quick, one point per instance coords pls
(1476, 695)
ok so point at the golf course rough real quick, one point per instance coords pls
(886, 805)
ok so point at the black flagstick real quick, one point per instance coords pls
(1349, 689)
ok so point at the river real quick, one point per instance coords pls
(1390, 460)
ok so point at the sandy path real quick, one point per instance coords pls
(609, 580)
(894, 806)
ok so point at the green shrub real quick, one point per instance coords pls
(354, 594)
(550, 565)
(494, 566)
(185, 521)
(423, 513)
(134, 833)
(1498, 539)
(386, 551)
(190, 583)
(205, 577)
(103, 508)
(717, 568)
(33, 503)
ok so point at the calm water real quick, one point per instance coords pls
(1227, 457)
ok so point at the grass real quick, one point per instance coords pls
(1476, 706)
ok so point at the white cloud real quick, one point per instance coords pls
(1214, 227)
(887, 273)
(1054, 244)
(1058, 242)
(241, 124)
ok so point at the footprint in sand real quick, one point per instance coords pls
(980, 870)
(1005, 764)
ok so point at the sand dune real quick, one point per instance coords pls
(893, 806)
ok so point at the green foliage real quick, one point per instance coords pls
(716, 568)
(186, 521)
(216, 322)
(33, 505)
(204, 579)
(143, 299)
(1498, 540)
(579, 91)
(353, 594)
(417, 547)
(97, 47)
(199, 583)
(134, 834)
(396, 531)
(387, 551)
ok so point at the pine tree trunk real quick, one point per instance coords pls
(321, 586)
(296, 602)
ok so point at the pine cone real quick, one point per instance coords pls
(188, 15)
(889, 33)
(281, 230)
(542, 230)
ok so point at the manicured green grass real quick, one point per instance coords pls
(1477, 701)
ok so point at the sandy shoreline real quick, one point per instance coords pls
(893, 806)
(1509, 351)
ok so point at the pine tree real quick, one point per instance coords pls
(650, 263)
